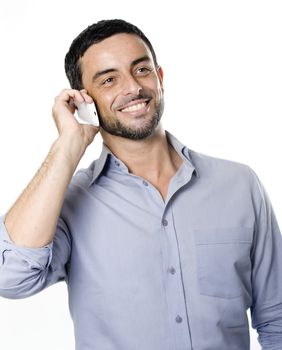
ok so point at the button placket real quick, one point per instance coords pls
(178, 319)
(164, 222)
(172, 270)
(175, 294)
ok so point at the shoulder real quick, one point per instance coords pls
(77, 192)
(223, 170)
(82, 178)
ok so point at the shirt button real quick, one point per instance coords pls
(145, 183)
(172, 270)
(178, 319)
(164, 222)
(116, 162)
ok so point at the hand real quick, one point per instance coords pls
(67, 125)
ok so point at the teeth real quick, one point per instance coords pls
(134, 107)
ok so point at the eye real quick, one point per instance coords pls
(144, 70)
(108, 81)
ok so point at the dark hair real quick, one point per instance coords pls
(94, 34)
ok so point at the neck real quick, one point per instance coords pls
(152, 158)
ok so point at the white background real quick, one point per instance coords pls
(223, 74)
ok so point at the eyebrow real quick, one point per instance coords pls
(110, 70)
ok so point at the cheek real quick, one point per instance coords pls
(156, 87)
(160, 91)
(104, 103)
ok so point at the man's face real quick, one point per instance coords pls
(119, 73)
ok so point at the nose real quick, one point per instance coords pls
(131, 85)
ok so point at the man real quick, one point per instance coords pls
(161, 247)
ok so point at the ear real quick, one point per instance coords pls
(160, 74)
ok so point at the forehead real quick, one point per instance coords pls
(114, 52)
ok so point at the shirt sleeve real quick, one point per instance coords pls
(266, 309)
(26, 271)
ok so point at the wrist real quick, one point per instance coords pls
(69, 149)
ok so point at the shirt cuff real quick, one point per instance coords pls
(39, 258)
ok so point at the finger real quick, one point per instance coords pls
(86, 97)
(67, 94)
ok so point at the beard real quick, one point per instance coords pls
(117, 128)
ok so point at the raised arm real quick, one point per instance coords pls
(32, 220)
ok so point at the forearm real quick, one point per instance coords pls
(270, 336)
(266, 309)
(32, 220)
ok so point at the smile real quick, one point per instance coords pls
(134, 108)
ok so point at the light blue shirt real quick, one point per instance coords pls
(144, 274)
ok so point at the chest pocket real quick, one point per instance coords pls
(223, 261)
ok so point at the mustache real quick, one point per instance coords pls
(142, 95)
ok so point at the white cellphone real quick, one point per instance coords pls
(87, 113)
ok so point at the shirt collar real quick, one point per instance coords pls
(182, 151)
(106, 154)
